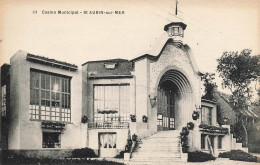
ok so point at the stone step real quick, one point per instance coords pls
(156, 154)
(156, 150)
(158, 142)
(160, 147)
(163, 138)
(156, 159)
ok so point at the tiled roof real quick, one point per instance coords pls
(52, 62)
(250, 112)
(108, 60)
(111, 68)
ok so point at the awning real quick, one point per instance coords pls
(106, 111)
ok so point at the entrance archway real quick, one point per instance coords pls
(174, 94)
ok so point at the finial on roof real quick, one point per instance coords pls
(176, 9)
(176, 29)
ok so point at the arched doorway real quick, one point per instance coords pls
(173, 100)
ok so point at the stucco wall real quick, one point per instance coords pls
(141, 75)
(174, 58)
(27, 134)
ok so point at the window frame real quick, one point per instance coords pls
(220, 142)
(160, 119)
(58, 144)
(41, 106)
(204, 116)
(173, 31)
(117, 117)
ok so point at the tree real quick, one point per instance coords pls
(209, 85)
(238, 71)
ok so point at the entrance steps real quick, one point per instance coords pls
(160, 148)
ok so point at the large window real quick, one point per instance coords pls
(3, 101)
(111, 103)
(51, 140)
(206, 115)
(50, 97)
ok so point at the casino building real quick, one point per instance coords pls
(51, 107)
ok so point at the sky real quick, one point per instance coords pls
(213, 27)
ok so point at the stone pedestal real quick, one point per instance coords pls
(126, 156)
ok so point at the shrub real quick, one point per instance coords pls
(242, 156)
(238, 155)
(199, 156)
(224, 154)
(83, 153)
(120, 155)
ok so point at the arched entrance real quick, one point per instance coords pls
(173, 100)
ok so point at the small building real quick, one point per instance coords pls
(53, 106)
(250, 117)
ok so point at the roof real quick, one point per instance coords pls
(108, 60)
(52, 62)
(111, 68)
(183, 25)
(151, 57)
(249, 112)
(185, 48)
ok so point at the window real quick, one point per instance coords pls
(107, 140)
(171, 122)
(49, 97)
(220, 142)
(111, 98)
(159, 119)
(51, 140)
(3, 101)
(176, 31)
(211, 138)
(203, 141)
(206, 115)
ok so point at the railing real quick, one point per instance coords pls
(106, 125)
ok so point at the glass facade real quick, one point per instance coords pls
(49, 97)
(111, 103)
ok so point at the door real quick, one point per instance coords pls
(107, 144)
(166, 113)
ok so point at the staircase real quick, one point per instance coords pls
(160, 148)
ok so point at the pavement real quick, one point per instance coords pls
(218, 161)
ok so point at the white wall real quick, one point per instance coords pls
(27, 134)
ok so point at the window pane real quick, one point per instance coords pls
(109, 98)
(43, 81)
(47, 78)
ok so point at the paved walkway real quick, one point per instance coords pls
(218, 161)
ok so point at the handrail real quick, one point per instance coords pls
(132, 148)
(108, 125)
